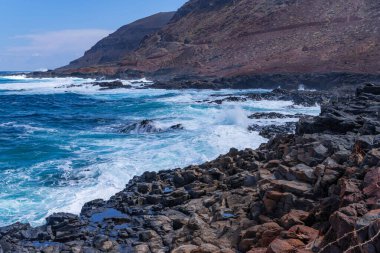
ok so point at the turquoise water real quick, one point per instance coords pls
(61, 145)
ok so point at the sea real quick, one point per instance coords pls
(64, 141)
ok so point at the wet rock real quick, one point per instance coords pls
(111, 85)
(273, 115)
(145, 126)
(91, 206)
(177, 126)
(272, 130)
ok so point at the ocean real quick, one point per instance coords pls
(64, 142)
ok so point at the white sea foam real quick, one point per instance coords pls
(26, 127)
(14, 77)
(111, 161)
(61, 85)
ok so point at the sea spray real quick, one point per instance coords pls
(62, 145)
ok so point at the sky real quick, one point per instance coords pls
(46, 34)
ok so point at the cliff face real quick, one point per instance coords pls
(224, 38)
(126, 39)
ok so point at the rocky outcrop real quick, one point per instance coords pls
(147, 126)
(304, 98)
(313, 191)
(257, 40)
(273, 130)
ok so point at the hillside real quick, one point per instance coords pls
(226, 38)
(125, 39)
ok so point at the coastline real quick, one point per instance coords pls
(282, 197)
(331, 81)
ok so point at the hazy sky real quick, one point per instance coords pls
(39, 34)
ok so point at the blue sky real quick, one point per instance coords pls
(39, 34)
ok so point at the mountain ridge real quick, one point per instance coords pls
(125, 39)
(233, 38)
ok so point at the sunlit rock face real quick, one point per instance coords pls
(244, 37)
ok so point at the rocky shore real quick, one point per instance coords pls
(331, 81)
(317, 190)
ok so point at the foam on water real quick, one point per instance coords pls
(62, 145)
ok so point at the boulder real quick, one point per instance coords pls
(303, 172)
(295, 187)
(260, 235)
(285, 246)
(294, 217)
(372, 186)
(372, 158)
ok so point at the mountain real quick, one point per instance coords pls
(229, 38)
(126, 39)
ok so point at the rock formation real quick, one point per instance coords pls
(253, 38)
(317, 190)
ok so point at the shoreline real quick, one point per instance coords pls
(281, 196)
(333, 81)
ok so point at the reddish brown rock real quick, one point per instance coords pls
(263, 37)
(186, 249)
(285, 246)
(294, 217)
(298, 188)
(303, 233)
(372, 187)
(259, 236)
(258, 250)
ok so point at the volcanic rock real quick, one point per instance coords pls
(300, 192)
(262, 43)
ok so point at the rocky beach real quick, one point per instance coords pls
(316, 190)
(124, 149)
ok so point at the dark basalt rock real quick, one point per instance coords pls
(356, 115)
(295, 193)
(112, 85)
(304, 98)
(147, 126)
(272, 130)
(177, 126)
(368, 88)
(274, 115)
